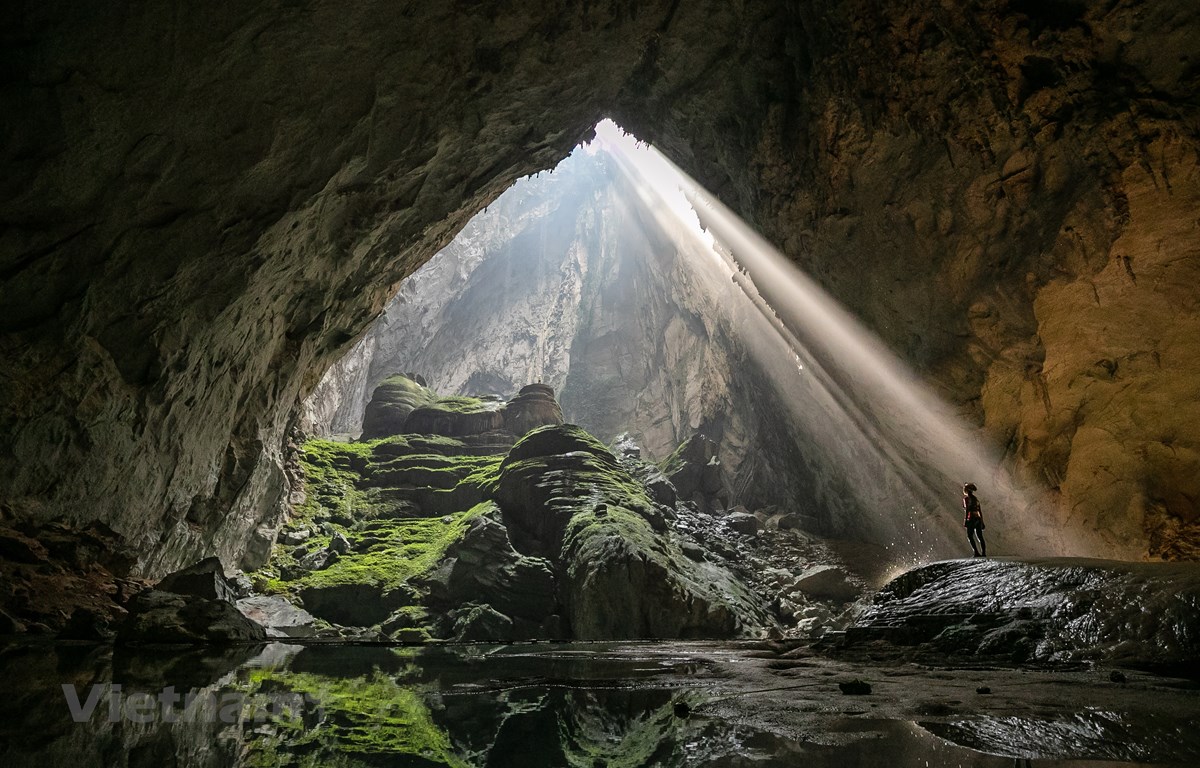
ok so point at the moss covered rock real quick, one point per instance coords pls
(566, 495)
(533, 407)
(456, 417)
(557, 539)
(390, 406)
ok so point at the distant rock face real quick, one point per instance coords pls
(565, 279)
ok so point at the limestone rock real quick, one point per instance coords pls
(624, 578)
(828, 582)
(742, 521)
(455, 417)
(1044, 205)
(392, 403)
(205, 579)
(158, 617)
(353, 605)
(694, 468)
(474, 623)
(339, 543)
(277, 616)
(1054, 609)
(482, 567)
(534, 406)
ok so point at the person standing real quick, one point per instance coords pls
(973, 519)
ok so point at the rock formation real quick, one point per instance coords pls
(195, 231)
(1054, 610)
(437, 534)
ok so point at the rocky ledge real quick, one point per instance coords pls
(1046, 610)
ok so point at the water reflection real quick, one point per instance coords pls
(582, 706)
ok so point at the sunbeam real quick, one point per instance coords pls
(900, 450)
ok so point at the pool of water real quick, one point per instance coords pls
(586, 705)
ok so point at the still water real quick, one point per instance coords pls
(585, 705)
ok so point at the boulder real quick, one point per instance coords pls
(156, 616)
(476, 623)
(482, 567)
(89, 626)
(354, 605)
(742, 522)
(318, 559)
(694, 469)
(661, 489)
(241, 585)
(624, 447)
(533, 407)
(827, 582)
(391, 404)
(294, 537)
(279, 617)
(340, 544)
(205, 579)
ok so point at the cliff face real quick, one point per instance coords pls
(202, 210)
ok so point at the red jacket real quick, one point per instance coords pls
(971, 509)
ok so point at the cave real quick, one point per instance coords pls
(358, 407)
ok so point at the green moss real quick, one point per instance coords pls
(428, 470)
(332, 473)
(589, 741)
(399, 550)
(675, 461)
(369, 715)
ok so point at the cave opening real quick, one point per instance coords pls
(657, 480)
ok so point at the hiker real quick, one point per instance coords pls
(973, 519)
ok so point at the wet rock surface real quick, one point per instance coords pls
(158, 617)
(1052, 610)
(59, 574)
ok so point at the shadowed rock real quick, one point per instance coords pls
(533, 407)
(391, 404)
(165, 617)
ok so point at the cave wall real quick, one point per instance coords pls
(203, 206)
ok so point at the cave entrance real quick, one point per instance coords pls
(650, 309)
(730, 414)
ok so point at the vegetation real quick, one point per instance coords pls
(373, 715)
(396, 551)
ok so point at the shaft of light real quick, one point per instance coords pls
(853, 387)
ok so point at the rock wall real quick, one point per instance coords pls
(203, 208)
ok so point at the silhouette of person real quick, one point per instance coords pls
(973, 519)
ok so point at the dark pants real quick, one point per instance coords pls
(976, 529)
